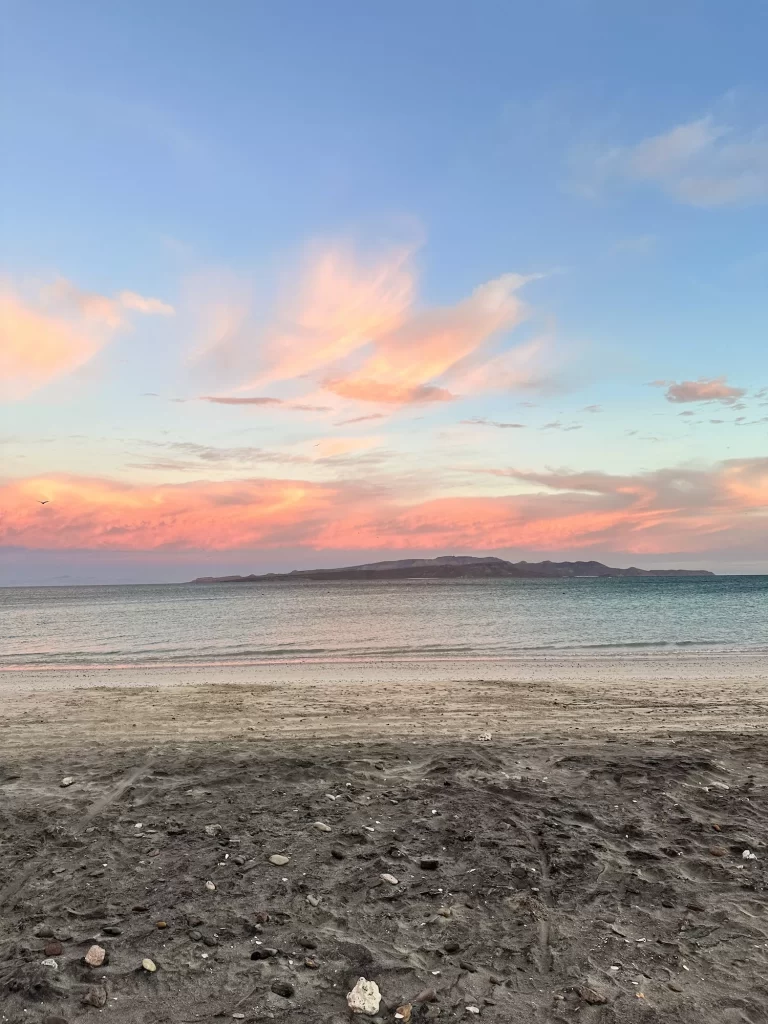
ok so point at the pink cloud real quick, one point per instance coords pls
(705, 389)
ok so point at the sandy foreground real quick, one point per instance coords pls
(563, 837)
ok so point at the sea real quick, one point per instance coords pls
(404, 620)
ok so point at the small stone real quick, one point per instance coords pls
(592, 995)
(213, 830)
(473, 1009)
(427, 995)
(195, 935)
(239, 860)
(161, 924)
(210, 886)
(495, 980)
(50, 962)
(263, 953)
(748, 855)
(67, 781)
(279, 859)
(55, 1020)
(718, 851)
(364, 997)
(95, 956)
(238, 1016)
(313, 901)
(338, 854)
(283, 988)
(322, 827)
(110, 929)
(429, 863)
(307, 942)
(403, 1013)
(674, 987)
(149, 965)
(452, 946)
(43, 931)
(210, 940)
(312, 963)
(96, 996)
(53, 949)
(467, 965)
(389, 878)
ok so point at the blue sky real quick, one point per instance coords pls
(282, 170)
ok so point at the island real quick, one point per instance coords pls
(451, 567)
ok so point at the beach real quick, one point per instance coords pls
(563, 837)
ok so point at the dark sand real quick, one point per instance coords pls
(587, 834)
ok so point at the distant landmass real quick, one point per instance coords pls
(452, 567)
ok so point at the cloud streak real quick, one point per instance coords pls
(705, 389)
(717, 509)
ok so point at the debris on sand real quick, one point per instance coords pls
(67, 781)
(210, 886)
(279, 859)
(364, 997)
(95, 956)
(322, 827)
(149, 965)
(389, 878)
(213, 830)
(748, 855)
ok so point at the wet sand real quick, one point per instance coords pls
(567, 837)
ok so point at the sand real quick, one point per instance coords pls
(567, 836)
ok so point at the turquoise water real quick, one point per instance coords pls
(412, 619)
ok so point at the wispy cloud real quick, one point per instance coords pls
(351, 326)
(704, 162)
(481, 421)
(705, 389)
(57, 328)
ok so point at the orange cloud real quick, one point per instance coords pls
(672, 510)
(352, 326)
(58, 330)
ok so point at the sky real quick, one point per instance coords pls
(307, 284)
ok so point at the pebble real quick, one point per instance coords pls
(338, 854)
(43, 931)
(283, 988)
(467, 965)
(195, 935)
(238, 1016)
(279, 859)
(312, 963)
(592, 995)
(67, 781)
(389, 878)
(50, 963)
(674, 987)
(213, 830)
(718, 851)
(263, 953)
(427, 995)
(149, 965)
(313, 901)
(55, 1020)
(322, 827)
(429, 863)
(473, 1009)
(307, 942)
(364, 997)
(161, 924)
(403, 1012)
(112, 930)
(452, 947)
(95, 956)
(748, 855)
(53, 949)
(96, 996)
(210, 886)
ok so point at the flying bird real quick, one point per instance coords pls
(44, 502)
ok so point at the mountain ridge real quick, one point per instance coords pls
(453, 567)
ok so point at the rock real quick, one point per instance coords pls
(389, 878)
(592, 995)
(53, 948)
(452, 946)
(263, 953)
(283, 988)
(210, 941)
(495, 980)
(96, 996)
(239, 860)
(322, 827)
(364, 997)
(110, 929)
(674, 987)
(473, 1009)
(195, 935)
(67, 781)
(161, 924)
(279, 859)
(149, 965)
(313, 901)
(429, 863)
(55, 1020)
(312, 963)
(403, 1013)
(238, 1016)
(95, 956)
(210, 886)
(467, 965)
(213, 830)
(307, 942)
(50, 962)
(338, 854)
(427, 995)
(748, 855)
(43, 931)
(718, 851)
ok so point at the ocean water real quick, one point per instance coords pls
(46, 627)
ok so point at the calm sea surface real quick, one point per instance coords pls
(412, 619)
